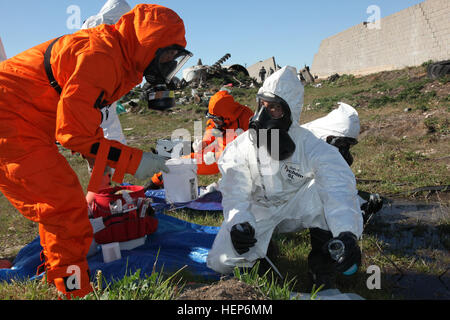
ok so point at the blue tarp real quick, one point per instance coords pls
(175, 244)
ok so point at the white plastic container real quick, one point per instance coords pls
(181, 184)
(111, 252)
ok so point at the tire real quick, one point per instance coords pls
(438, 69)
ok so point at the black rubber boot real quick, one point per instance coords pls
(321, 270)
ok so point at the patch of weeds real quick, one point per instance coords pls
(412, 90)
(381, 101)
(422, 107)
(413, 156)
(444, 80)
(344, 80)
(437, 125)
(206, 218)
(27, 290)
(135, 287)
(427, 63)
(328, 103)
(411, 93)
(267, 285)
(359, 91)
(382, 86)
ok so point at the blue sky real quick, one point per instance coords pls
(250, 30)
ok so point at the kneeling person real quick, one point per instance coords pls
(295, 182)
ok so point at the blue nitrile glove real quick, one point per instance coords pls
(151, 163)
(345, 251)
(242, 237)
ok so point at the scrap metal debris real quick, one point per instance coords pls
(204, 76)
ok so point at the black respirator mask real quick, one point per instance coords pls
(343, 144)
(263, 129)
(216, 120)
(159, 75)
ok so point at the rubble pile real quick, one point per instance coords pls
(204, 76)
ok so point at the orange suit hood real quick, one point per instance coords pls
(222, 104)
(129, 45)
(145, 29)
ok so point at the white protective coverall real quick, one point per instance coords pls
(110, 13)
(341, 122)
(314, 188)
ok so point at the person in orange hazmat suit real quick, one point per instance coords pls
(55, 91)
(226, 120)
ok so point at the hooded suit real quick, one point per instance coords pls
(313, 188)
(236, 118)
(94, 67)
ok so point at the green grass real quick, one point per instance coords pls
(267, 283)
(134, 286)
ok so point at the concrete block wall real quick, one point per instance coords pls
(407, 38)
(268, 64)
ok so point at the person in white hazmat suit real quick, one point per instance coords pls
(110, 13)
(285, 179)
(341, 128)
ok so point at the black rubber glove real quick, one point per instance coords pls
(373, 204)
(242, 237)
(351, 254)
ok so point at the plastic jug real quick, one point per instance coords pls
(181, 183)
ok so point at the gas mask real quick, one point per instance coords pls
(219, 122)
(343, 144)
(264, 128)
(159, 75)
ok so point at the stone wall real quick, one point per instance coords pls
(407, 38)
(268, 64)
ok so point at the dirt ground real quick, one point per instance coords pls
(229, 289)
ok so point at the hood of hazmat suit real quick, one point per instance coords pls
(313, 188)
(341, 122)
(110, 13)
(222, 104)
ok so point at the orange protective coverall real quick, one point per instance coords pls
(235, 115)
(94, 67)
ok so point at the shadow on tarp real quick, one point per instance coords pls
(175, 244)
